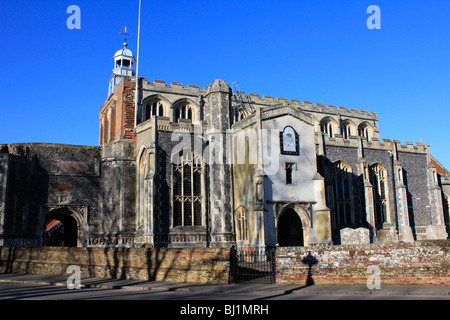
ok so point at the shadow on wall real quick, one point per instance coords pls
(310, 261)
(199, 265)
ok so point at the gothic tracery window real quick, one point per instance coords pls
(241, 225)
(142, 173)
(378, 179)
(187, 191)
(341, 183)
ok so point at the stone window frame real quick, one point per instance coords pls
(378, 177)
(154, 106)
(328, 126)
(348, 129)
(241, 221)
(365, 130)
(184, 109)
(341, 182)
(195, 165)
(290, 168)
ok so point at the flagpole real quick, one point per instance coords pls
(137, 68)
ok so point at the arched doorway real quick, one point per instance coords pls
(60, 229)
(290, 229)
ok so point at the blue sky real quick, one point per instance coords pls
(54, 80)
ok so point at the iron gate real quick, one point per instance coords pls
(253, 264)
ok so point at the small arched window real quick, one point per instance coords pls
(153, 109)
(346, 130)
(327, 128)
(183, 111)
(363, 131)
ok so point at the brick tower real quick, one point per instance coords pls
(117, 112)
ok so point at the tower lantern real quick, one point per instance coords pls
(124, 62)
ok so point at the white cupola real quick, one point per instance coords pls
(124, 62)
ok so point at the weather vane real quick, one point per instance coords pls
(125, 33)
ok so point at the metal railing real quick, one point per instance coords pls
(253, 264)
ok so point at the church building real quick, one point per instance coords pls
(215, 167)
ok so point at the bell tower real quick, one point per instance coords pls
(117, 112)
(124, 62)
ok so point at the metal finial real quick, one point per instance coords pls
(125, 35)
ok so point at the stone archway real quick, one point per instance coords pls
(61, 229)
(290, 229)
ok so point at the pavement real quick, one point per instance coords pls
(122, 284)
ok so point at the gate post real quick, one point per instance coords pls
(233, 265)
(273, 271)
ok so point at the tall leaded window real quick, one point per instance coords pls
(241, 225)
(187, 191)
(378, 179)
(341, 181)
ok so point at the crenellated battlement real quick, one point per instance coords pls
(174, 88)
(384, 144)
(308, 106)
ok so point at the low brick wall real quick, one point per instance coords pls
(419, 263)
(196, 265)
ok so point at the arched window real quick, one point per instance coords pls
(378, 179)
(341, 183)
(183, 111)
(241, 225)
(363, 131)
(153, 109)
(346, 130)
(446, 207)
(187, 186)
(326, 127)
(240, 115)
(141, 197)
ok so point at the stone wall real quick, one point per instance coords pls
(199, 265)
(420, 263)
(40, 177)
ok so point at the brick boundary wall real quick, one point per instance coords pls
(425, 262)
(420, 263)
(196, 265)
